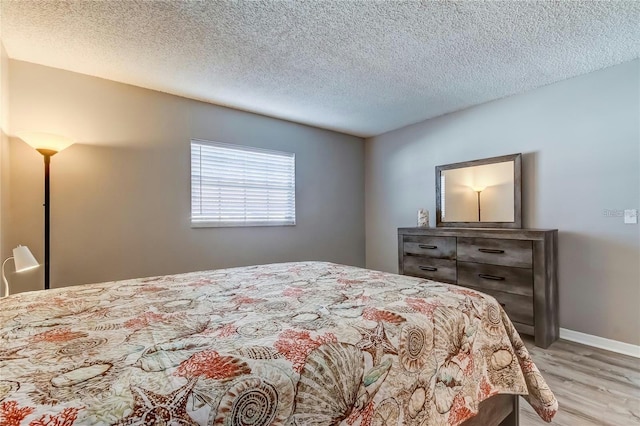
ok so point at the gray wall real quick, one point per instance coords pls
(121, 196)
(581, 144)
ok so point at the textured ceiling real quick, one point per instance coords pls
(362, 67)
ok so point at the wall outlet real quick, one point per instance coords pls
(631, 216)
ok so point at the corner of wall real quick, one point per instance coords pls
(4, 147)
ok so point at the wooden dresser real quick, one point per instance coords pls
(516, 266)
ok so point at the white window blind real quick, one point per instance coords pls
(235, 185)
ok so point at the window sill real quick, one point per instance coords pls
(239, 225)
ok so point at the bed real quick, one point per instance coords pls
(306, 343)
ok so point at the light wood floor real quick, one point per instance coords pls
(593, 386)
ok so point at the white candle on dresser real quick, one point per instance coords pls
(423, 218)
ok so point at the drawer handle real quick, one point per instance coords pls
(428, 268)
(491, 277)
(494, 251)
(427, 247)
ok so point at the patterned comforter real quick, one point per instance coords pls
(307, 343)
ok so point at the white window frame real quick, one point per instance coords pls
(199, 220)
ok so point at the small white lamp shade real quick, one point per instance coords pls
(478, 188)
(46, 141)
(23, 259)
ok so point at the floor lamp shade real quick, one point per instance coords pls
(45, 141)
(48, 145)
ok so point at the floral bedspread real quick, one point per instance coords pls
(308, 343)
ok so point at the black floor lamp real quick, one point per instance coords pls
(478, 189)
(48, 145)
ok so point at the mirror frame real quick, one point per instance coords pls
(517, 188)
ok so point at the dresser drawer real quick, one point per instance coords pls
(518, 308)
(516, 253)
(493, 277)
(431, 268)
(439, 247)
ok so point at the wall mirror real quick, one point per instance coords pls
(484, 193)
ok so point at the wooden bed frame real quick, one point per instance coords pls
(499, 410)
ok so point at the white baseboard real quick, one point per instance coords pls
(600, 342)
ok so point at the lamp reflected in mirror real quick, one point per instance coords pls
(478, 189)
(479, 193)
(23, 260)
(48, 145)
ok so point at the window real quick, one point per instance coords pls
(235, 185)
